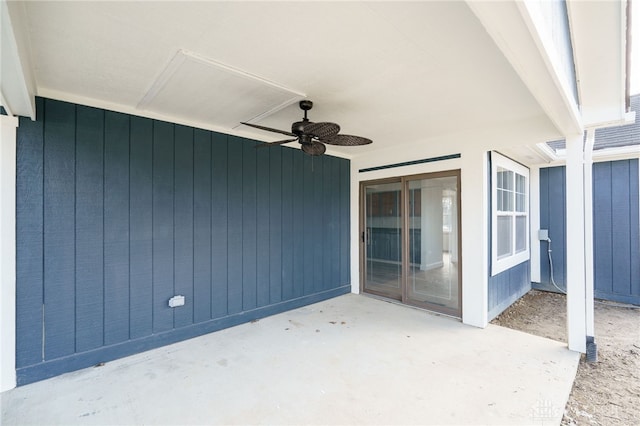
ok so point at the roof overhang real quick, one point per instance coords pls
(599, 36)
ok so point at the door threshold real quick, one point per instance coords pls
(399, 303)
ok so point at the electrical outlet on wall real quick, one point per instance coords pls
(176, 301)
(543, 234)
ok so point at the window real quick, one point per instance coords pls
(510, 213)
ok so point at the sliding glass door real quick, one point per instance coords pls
(410, 230)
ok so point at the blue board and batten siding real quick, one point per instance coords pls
(554, 219)
(507, 287)
(616, 233)
(116, 214)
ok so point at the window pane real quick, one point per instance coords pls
(508, 180)
(521, 193)
(504, 236)
(521, 233)
(520, 203)
(505, 179)
(521, 183)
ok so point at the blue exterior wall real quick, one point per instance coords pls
(116, 214)
(507, 287)
(553, 218)
(616, 234)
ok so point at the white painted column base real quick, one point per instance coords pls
(7, 252)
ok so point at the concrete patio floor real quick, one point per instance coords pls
(349, 360)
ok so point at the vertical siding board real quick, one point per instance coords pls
(298, 223)
(634, 234)
(225, 165)
(234, 243)
(275, 224)
(183, 224)
(221, 223)
(503, 287)
(602, 238)
(345, 237)
(201, 226)
(263, 233)
(309, 226)
(141, 227)
(319, 222)
(116, 228)
(287, 223)
(29, 239)
(59, 229)
(620, 215)
(163, 238)
(249, 226)
(493, 290)
(327, 224)
(89, 228)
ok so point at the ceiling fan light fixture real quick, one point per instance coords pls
(314, 148)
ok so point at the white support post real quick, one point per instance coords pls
(576, 288)
(588, 232)
(534, 220)
(7, 252)
(475, 244)
(355, 229)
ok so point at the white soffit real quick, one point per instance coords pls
(203, 90)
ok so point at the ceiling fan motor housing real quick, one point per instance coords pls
(297, 128)
(306, 105)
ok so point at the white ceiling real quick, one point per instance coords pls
(398, 73)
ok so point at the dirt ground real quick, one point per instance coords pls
(606, 392)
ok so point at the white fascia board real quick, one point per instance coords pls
(16, 79)
(8, 127)
(547, 151)
(513, 29)
(609, 154)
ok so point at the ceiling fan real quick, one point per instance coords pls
(312, 136)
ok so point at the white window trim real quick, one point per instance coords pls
(501, 265)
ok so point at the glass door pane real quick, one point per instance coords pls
(383, 239)
(432, 279)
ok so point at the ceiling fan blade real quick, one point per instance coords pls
(314, 148)
(322, 130)
(269, 129)
(276, 143)
(346, 140)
